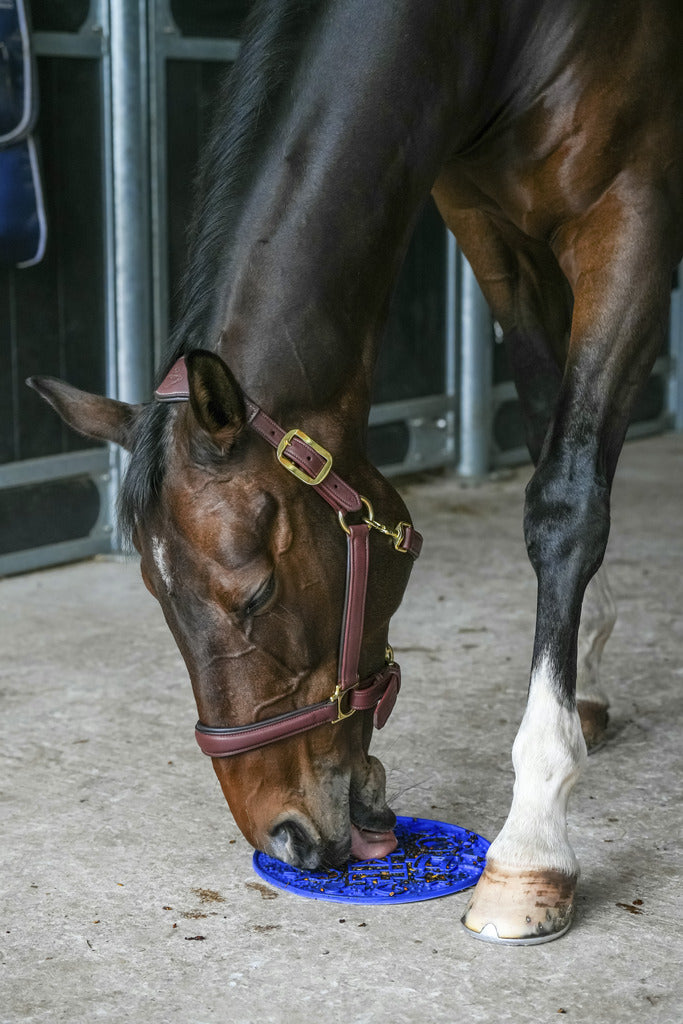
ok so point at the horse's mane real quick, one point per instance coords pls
(274, 35)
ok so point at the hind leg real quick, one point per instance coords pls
(598, 616)
(619, 264)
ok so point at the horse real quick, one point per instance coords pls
(550, 135)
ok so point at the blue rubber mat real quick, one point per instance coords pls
(432, 859)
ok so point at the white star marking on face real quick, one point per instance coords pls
(161, 562)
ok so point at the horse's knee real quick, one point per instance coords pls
(566, 522)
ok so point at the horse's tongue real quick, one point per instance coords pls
(370, 845)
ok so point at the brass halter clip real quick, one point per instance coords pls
(338, 695)
(396, 535)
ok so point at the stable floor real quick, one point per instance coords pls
(128, 893)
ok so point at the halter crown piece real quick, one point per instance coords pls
(310, 463)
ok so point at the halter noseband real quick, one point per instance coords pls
(310, 463)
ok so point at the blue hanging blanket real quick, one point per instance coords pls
(23, 228)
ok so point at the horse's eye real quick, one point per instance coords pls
(262, 596)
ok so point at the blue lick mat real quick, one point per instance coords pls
(432, 859)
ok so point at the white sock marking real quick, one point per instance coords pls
(547, 755)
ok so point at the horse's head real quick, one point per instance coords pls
(251, 569)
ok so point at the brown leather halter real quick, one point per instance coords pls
(312, 464)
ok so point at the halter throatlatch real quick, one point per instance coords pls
(310, 463)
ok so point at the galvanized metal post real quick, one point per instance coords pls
(128, 33)
(452, 334)
(475, 377)
(130, 359)
(676, 350)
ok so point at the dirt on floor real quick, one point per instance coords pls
(128, 893)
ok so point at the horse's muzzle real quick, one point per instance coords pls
(297, 842)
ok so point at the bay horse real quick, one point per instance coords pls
(550, 134)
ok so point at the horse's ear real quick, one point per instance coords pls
(216, 399)
(93, 415)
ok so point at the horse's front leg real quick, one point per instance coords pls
(530, 298)
(527, 890)
(620, 277)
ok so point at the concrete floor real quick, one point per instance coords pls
(118, 851)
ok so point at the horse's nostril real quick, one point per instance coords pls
(292, 842)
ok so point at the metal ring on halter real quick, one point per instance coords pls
(368, 521)
(397, 535)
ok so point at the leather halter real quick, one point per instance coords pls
(310, 463)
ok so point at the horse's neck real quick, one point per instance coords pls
(377, 98)
(337, 188)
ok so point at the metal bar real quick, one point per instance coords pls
(160, 26)
(451, 343)
(130, 161)
(409, 408)
(675, 397)
(475, 377)
(170, 42)
(520, 456)
(181, 48)
(69, 44)
(53, 554)
(507, 392)
(109, 244)
(512, 457)
(55, 467)
(647, 428)
(130, 358)
(413, 464)
(95, 464)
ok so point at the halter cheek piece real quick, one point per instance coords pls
(310, 463)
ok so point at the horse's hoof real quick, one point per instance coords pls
(520, 907)
(594, 718)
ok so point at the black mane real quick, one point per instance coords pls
(275, 33)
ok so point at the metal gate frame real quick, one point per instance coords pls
(675, 420)
(92, 41)
(480, 397)
(133, 40)
(114, 32)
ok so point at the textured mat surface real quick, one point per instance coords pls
(432, 859)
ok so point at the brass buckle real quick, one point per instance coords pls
(338, 695)
(301, 474)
